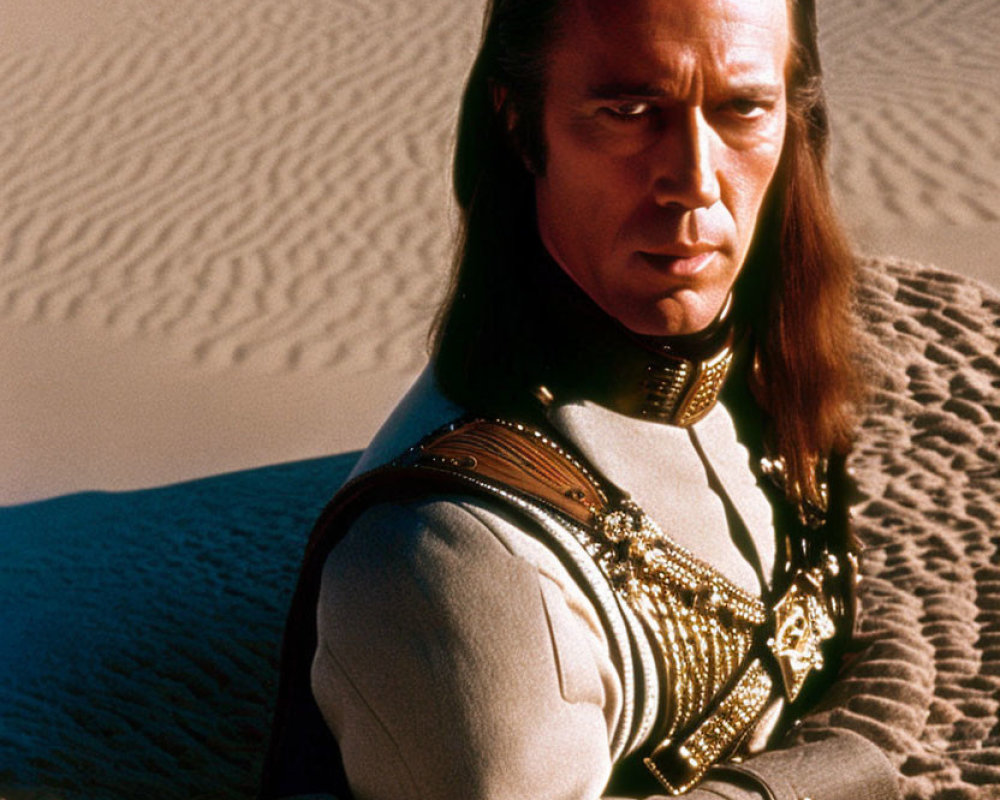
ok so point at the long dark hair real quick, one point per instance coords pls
(795, 290)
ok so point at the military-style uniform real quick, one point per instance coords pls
(611, 593)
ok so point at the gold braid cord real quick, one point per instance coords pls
(702, 624)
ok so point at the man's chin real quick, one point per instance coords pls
(670, 316)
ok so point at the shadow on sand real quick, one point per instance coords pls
(140, 632)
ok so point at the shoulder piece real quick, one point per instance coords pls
(519, 457)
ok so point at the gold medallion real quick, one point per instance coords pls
(802, 623)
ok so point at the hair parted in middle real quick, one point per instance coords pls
(795, 290)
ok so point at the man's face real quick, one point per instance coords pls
(663, 123)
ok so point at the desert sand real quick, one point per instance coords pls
(225, 226)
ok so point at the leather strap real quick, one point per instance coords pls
(521, 458)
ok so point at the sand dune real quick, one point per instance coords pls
(215, 200)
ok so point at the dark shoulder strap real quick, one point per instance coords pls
(473, 457)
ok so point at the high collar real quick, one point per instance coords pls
(588, 355)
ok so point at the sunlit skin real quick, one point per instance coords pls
(663, 123)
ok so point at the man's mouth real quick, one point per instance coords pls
(680, 262)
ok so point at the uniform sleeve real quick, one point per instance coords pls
(840, 766)
(449, 666)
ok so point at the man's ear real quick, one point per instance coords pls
(503, 104)
(498, 94)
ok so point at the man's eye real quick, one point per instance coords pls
(746, 107)
(629, 110)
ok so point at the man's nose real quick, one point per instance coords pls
(685, 168)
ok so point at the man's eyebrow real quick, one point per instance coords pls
(764, 90)
(610, 91)
(650, 91)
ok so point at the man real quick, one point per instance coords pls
(622, 566)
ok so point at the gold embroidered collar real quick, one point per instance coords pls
(673, 380)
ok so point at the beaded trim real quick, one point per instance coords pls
(680, 767)
(702, 623)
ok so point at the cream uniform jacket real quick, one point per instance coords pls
(458, 657)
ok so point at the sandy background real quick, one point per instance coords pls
(224, 226)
